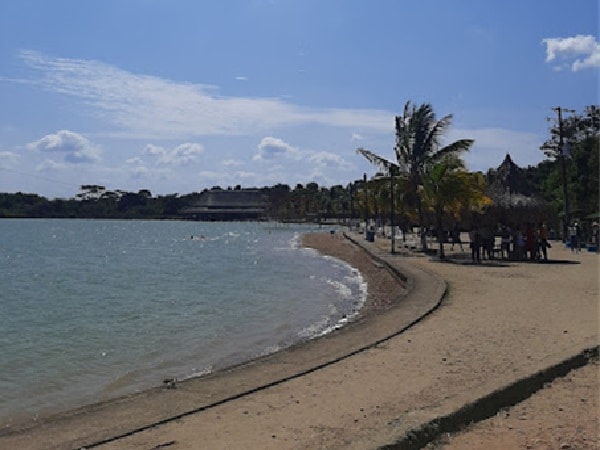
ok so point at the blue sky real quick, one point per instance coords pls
(179, 95)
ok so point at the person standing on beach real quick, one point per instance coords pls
(505, 242)
(543, 240)
(529, 241)
(456, 238)
(488, 238)
(518, 244)
(475, 243)
(574, 233)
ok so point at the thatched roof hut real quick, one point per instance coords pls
(508, 186)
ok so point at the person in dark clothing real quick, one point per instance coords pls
(530, 243)
(543, 241)
(575, 236)
(475, 243)
(456, 238)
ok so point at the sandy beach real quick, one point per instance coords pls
(433, 338)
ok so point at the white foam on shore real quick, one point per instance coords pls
(342, 289)
(270, 349)
(200, 373)
(326, 324)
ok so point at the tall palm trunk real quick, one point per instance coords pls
(440, 232)
(422, 234)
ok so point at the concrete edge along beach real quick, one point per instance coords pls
(439, 345)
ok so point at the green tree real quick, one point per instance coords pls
(448, 188)
(580, 135)
(418, 147)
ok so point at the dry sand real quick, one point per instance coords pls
(497, 324)
(563, 415)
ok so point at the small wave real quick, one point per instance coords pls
(328, 324)
(316, 329)
(323, 327)
(270, 349)
(200, 373)
(310, 251)
(352, 288)
(342, 289)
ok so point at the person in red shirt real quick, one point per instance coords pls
(530, 241)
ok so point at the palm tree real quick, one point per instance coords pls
(418, 147)
(445, 186)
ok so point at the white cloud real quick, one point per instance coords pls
(241, 78)
(50, 164)
(214, 178)
(356, 137)
(8, 159)
(150, 107)
(322, 178)
(329, 160)
(134, 161)
(244, 174)
(584, 48)
(139, 172)
(152, 149)
(75, 147)
(282, 161)
(232, 162)
(182, 154)
(137, 168)
(272, 148)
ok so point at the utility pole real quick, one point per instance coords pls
(563, 169)
(366, 188)
(351, 203)
(392, 210)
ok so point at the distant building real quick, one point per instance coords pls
(227, 205)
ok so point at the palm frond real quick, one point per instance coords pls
(423, 124)
(450, 162)
(457, 147)
(376, 159)
(437, 129)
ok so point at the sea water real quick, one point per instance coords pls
(93, 309)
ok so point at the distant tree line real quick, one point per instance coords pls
(127, 205)
(438, 191)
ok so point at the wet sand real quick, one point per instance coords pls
(379, 378)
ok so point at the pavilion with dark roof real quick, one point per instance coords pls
(226, 205)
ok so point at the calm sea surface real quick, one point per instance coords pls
(95, 309)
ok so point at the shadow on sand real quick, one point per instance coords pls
(499, 262)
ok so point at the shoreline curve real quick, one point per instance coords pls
(419, 293)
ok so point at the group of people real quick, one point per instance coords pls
(531, 242)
